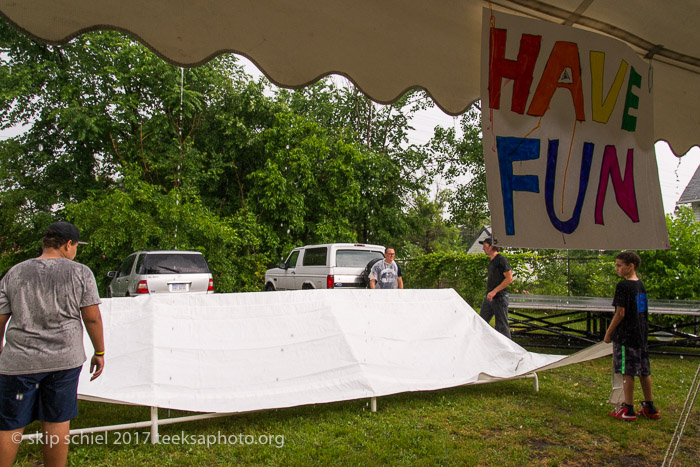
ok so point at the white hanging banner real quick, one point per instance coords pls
(567, 121)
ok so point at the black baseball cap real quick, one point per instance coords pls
(63, 230)
(488, 240)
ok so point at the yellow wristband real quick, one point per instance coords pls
(100, 354)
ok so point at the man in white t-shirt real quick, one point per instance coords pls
(386, 274)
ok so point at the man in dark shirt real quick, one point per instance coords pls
(628, 332)
(500, 275)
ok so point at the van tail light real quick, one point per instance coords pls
(330, 281)
(142, 287)
(211, 286)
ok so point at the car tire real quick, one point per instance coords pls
(306, 287)
(269, 287)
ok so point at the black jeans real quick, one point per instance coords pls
(499, 308)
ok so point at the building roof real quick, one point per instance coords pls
(475, 247)
(691, 194)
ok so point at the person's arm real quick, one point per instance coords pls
(400, 279)
(4, 318)
(6, 312)
(617, 319)
(92, 318)
(507, 279)
(373, 276)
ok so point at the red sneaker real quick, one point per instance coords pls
(649, 411)
(623, 413)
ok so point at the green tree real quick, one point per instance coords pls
(112, 142)
(459, 160)
(143, 154)
(307, 184)
(392, 171)
(674, 274)
(428, 230)
(142, 216)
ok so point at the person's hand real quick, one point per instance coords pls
(97, 364)
(490, 296)
(607, 339)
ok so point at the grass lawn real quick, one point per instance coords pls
(506, 423)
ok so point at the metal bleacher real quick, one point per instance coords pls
(559, 321)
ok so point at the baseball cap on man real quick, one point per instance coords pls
(63, 230)
(488, 240)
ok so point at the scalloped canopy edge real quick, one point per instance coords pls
(385, 47)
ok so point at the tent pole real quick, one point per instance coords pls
(373, 404)
(136, 425)
(154, 425)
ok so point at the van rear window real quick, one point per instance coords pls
(355, 258)
(170, 263)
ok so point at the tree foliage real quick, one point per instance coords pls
(143, 155)
(674, 274)
(540, 273)
(458, 157)
(429, 232)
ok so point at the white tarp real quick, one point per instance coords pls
(251, 351)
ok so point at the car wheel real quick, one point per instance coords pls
(306, 287)
(269, 287)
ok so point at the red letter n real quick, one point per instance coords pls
(624, 187)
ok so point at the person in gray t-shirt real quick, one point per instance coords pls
(386, 274)
(46, 301)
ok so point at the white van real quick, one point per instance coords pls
(328, 266)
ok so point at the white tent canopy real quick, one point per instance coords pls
(242, 352)
(386, 47)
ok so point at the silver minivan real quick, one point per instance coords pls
(164, 271)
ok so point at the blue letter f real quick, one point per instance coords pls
(511, 149)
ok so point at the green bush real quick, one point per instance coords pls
(533, 273)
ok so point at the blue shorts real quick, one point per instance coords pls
(49, 397)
